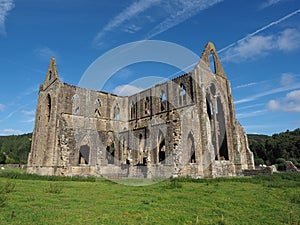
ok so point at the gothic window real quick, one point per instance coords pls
(50, 75)
(212, 63)
(84, 154)
(132, 110)
(182, 91)
(48, 107)
(75, 98)
(163, 101)
(97, 107)
(76, 111)
(147, 104)
(161, 145)
(117, 112)
(182, 94)
(110, 153)
(191, 148)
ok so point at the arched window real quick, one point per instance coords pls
(182, 90)
(75, 98)
(132, 110)
(163, 101)
(97, 107)
(117, 112)
(212, 63)
(147, 106)
(191, 148)
(161, 146)
(48, 107)
(182, 94)
(50, 75)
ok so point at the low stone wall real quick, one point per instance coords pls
(290, 167)
(22, 166)
(262, 171)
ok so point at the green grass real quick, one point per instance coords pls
(259, 200)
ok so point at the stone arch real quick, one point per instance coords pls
(98, 107)
(191, 148)
(84, 152)
(116, 112)
(132, 110)
(182, 94)
(161, 147)
(147, 106)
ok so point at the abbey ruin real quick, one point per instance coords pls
(183, 127)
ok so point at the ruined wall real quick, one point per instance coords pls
(183, 127)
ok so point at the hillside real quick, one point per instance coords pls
(276, 148)
(15, 148)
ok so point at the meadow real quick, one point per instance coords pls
(32, 199)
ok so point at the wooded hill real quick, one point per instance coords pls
(267, 150)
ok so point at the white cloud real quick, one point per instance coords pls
(5, 7)
(11, 131)
(126, 90)
(290, 103)
(288, 84)
(28, 113)
(289, 40)
(269, 3)
(130, 12)
(45, 52)
(2, 107)
(257, 46)
(251, 114)
(287, 79)
(30, 120)
(245, 85)
(131, 28)
(179, 11)
(169, 14)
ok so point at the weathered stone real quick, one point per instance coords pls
(183, 127)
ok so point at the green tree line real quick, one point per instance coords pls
(267, 150)
(15, 148)
(277, 148)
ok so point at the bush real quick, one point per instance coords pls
(259, 161)
(280, 161)
(54, 188)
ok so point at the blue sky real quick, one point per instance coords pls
(258, 42)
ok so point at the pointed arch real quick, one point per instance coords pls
(117, 112)
(161, 147)
(191, 148)
(163, 100)
(48, 107)
(147, 106)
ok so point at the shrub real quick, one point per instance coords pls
(259, 161)
(280, 160)
(54, 188)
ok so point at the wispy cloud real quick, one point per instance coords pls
(260, 30)
(126, 90)
(5, 7)
(171, 13)
(259, 45)
(2, 107)
(10, 131)
(245, 85)
(30, 120)
(28, 113)
(269, 3)
(181, 10)
(251, 114)
(45, 53)
(290, 103)
(291, 87)
(128, 13)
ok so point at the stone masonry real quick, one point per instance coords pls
(183, 127)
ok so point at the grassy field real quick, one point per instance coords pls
(27, 199)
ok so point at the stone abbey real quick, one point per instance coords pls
(183, 127)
